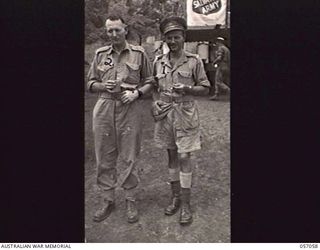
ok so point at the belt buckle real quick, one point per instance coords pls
(117, 96)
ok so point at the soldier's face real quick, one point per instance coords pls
(175, 40)
(116, 31)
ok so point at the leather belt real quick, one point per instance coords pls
(176, 99)
(113, 96)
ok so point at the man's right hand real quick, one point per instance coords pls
(109, 85)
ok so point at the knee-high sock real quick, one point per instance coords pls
(185, 179)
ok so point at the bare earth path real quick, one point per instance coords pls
(210, 192)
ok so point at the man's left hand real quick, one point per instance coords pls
(129, 96)
(182, 88)
(179, 88)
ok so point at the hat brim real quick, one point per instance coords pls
(171, 29)
(220, 39)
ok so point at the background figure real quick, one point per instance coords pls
(120, 73)
(222, 65)
(180, 75)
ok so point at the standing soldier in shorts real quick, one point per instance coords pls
(180, 76)
(120, 73)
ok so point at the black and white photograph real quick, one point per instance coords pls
(157, 121)
(119, 124)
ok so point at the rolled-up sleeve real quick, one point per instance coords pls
(93, 75)
(146, 70)
(199, 73)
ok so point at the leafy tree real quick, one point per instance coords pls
(142, 16)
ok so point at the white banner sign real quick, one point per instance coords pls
(201, 13)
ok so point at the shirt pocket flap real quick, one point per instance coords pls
(133, 66)
(104, 68)
(184, 74)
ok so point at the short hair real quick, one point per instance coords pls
(115, 17)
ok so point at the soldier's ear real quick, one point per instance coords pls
(126, 29)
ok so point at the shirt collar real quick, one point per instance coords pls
(166, 61)
(126, 47)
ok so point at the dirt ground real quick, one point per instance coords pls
(210, 192)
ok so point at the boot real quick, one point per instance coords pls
(185, 212)
(175, 199)
(104, 212)
(132, 211)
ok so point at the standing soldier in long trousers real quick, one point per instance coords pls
(180, 76)
(222, 65)
(120, 73)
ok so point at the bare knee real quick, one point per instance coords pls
(184, 156)
(185, 162)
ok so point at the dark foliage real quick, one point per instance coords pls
(142, 16)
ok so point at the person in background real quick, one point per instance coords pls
(222, 65)
(120, 74)
(180, 76)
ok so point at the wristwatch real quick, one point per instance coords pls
(140, 93)
(189, 88)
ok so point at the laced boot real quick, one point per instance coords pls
(104, 212)
(185, 212)
(175, 199)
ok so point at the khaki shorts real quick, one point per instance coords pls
(180, 129)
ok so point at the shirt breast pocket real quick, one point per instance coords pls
(104, 71)
(104, 68)
(132, 74)
(185, 77)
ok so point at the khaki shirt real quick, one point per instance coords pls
(117, 126)
(224, 53)
(179, 126)
(130, 66)
(188, 70)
